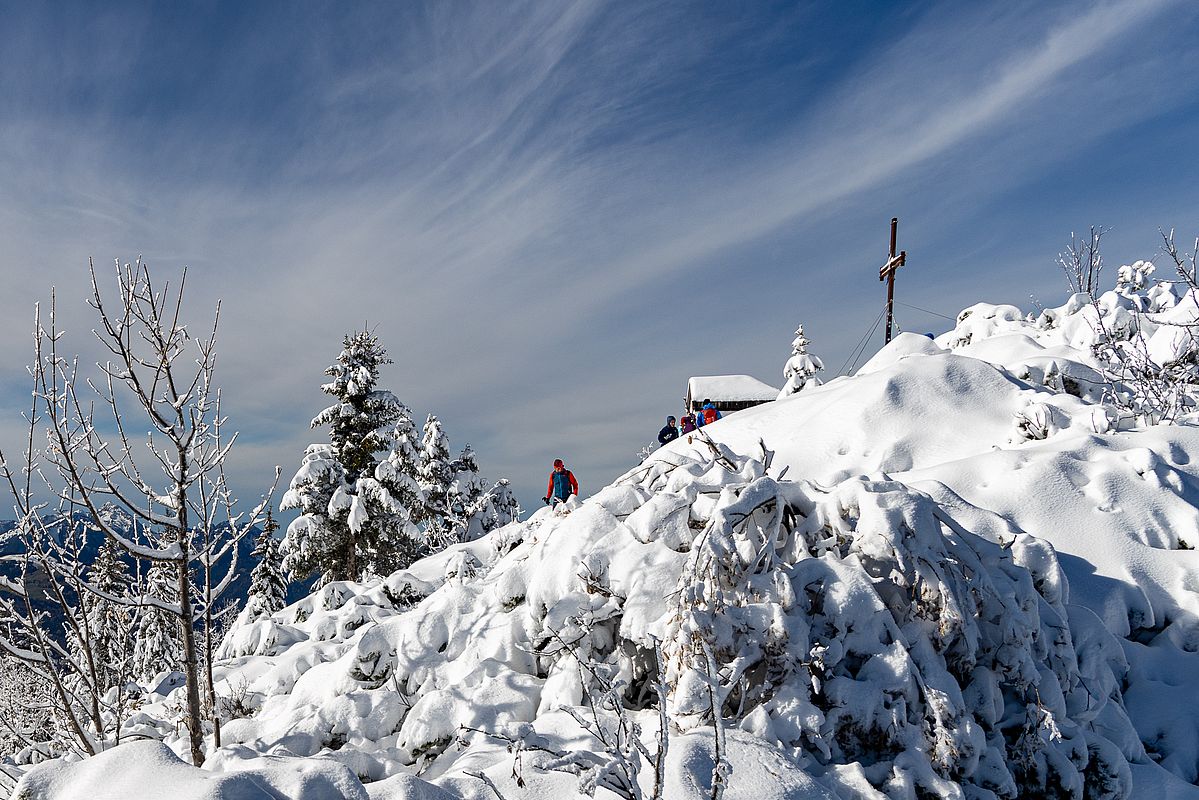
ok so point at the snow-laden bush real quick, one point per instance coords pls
(862, 629)
(1141, 340)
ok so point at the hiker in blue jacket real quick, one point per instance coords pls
(707, 414)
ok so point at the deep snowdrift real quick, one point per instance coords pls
(961, 572)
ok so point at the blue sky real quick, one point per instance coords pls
(554, 213)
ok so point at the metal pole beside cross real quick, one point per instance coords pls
(887, 272)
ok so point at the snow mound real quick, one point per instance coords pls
(151, 769)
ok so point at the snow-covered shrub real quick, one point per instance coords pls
(864, 627)
(1133, 278)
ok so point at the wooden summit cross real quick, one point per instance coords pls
(887, 273)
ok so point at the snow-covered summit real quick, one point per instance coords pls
(965, 571)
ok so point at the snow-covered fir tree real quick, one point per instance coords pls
(339, 540)
(492, 508)
(385, 505)
(395, 501)
(435, 475)
(315, 542)
(157, 647)
(801, 368)
(467, 496)
(434, 472)
(399, 472)
(109, 621)
(268, 586)
(453, 494)
(467, 508)
(503, 507)
(362, 417)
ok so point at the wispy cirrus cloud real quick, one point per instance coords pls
(551, 213)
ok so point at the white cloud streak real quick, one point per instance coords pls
(497, 191)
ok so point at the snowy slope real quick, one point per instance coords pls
(962, 572)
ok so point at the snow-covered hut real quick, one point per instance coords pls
(728, 392)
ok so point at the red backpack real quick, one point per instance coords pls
(710, 416)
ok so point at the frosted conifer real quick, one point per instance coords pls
(454, 498)
(315, 542)
(435, 474)
(110, 621)
(157, 647)
(800, 370)
(107, 624)
(396, 501)
(362, 414)
(339, 539)
(400, 471)
(501, 506)
(435, 471)
(268, 586)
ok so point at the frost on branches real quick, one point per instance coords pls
(800, 370)
(1140, 340)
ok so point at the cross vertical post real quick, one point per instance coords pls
(887, 273)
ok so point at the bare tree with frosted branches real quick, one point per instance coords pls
(171, 481)
(1082, 261)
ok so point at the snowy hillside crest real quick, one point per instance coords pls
(963, 572)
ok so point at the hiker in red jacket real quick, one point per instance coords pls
(561, 486)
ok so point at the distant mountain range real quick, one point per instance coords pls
(120, 520)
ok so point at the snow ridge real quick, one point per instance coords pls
(966, 572)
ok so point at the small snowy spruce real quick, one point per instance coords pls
(315, 542)
(393, 499)
(109, 622)
(800, 370)
(268, 586)
(158, 647)
(435, 473)
(450, 487)
(502, 506)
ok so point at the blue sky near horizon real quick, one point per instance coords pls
(554, 213)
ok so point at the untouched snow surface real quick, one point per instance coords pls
(958, 573)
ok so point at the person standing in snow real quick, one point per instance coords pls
(669, 433)
(708, 414)
(688, 423)
(561, 486)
